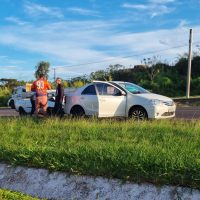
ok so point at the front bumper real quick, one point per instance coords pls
(162, 112)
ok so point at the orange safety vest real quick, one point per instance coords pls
(40, 86)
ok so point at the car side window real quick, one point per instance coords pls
(90, 90)
(107, 90)
(100, 88)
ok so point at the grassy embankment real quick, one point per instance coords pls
(10, 195)
(161, 152)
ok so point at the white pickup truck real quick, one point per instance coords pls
(24, 106)
(21, 97)
(18, 93)
(20, 100)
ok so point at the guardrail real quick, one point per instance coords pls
(193, 101)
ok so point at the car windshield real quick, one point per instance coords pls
(134, 89)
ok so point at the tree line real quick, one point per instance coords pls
(152, 74)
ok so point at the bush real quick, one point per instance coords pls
(5, 94)
(195, 86)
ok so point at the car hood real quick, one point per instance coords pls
(152, 96)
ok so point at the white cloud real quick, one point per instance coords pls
(82, 11)
(135, 6)
(36, 10)
(16, 20)
(153, 8)
(160, 10)
(78, 42)
(161, 1)
(14, 71)
(183, 23)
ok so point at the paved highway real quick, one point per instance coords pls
(181, 112)
(188, 112)
(7, 112)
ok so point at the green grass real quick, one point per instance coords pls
(161, 152)
(10, 195)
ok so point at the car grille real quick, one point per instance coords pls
(168, 103)
(168, 114)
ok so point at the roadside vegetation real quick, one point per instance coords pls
(10, 195)
(5, 94)
(160, 152)
(6, 87)
(153, 74)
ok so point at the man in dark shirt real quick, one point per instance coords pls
(59, 98)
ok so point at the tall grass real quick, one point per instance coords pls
(161, 152)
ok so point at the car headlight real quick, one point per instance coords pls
(156, 102)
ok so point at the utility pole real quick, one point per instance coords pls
(189, 66)
(54, 74)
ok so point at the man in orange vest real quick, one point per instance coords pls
(40, 87)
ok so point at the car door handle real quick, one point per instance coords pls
(102, 100)
(82, 98)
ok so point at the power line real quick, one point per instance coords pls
(129, 56)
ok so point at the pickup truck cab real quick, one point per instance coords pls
(18, 93)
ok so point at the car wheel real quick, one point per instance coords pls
(138, 113)
(22, 112)
(77, 111)
(12, 104)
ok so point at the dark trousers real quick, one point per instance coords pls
(58, 111)
(33, 106)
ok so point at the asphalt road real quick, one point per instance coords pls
(181, 112)
(188, 112)
(8, 112)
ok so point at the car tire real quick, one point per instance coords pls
(77, 111)
(22, 112)
(12, 104)
(138, 113)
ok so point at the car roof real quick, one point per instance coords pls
(96, 81)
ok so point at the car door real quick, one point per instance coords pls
(28, 105)
(89, 101)
(111, 100)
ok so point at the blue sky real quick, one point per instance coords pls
(69, 33)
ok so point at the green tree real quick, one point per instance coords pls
(65, 83)
(42, 68)
(195, 86)
(78, 83)
(11, 83)
(101, 75)
(152, 69)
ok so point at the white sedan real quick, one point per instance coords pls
(118, 99)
